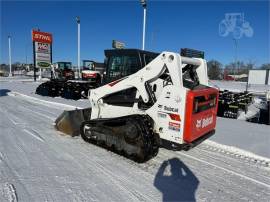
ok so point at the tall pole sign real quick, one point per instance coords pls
(79, 44)
(42, 50)
(9, 55)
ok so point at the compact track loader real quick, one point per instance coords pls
(166, 103)
(63, 83)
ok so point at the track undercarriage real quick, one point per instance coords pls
(131, 136)
(71, 89)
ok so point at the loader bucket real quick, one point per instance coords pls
(69, 122)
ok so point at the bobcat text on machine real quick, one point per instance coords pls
(167, 102)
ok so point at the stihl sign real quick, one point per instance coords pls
(42, 49)
(43, 37)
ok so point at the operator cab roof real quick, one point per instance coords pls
(111, 52)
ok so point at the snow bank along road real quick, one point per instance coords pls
(39, 164)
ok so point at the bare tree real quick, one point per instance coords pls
(214, 69)
(251, 64)
(265, 66)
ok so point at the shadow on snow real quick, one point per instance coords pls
(176, 181)
(3, 92)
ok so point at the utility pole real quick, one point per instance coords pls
(143, 2)
(9, 54)
(79, 41)
(26, 54)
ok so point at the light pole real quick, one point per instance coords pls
(236, 59)
(79, 41)
(9, 54)
(143, 2)
(26, 54)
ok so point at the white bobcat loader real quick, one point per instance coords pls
(166, 103)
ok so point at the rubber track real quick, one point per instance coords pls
(147, 142)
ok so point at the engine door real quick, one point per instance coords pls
(201, 111)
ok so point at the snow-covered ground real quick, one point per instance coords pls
(39, 164)
(26, 86)
(236, 86)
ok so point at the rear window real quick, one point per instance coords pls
(190, 77)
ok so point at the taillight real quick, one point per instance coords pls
(195, 106)
(213, 102)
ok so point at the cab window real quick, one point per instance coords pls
(148, 59)
(120, 66)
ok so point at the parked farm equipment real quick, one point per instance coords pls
(230, 103)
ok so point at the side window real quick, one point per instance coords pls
(61, 65)
(121, 66)
(148, 59)
(131, 64)
(190, 77)
(125, 98)
(115, 66)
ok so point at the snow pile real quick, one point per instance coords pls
(237, 86)
(253, 111)
(260, 102)
(43, 102)
(238, 152)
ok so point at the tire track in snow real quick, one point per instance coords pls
(23, 126)
(15, 120)
(9, 192)
(193, 156)
(35, 135)
(213, 179)
(232, 162)
(51, 138)
(239, 157)
(41, 108)
(237, 153)
(49, 111)
(226, 170)
(119, 181)
(38, 113)
(231, 185)
(1, 157)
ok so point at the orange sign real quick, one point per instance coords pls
(43, 37)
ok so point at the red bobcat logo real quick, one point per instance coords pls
(204, 122)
